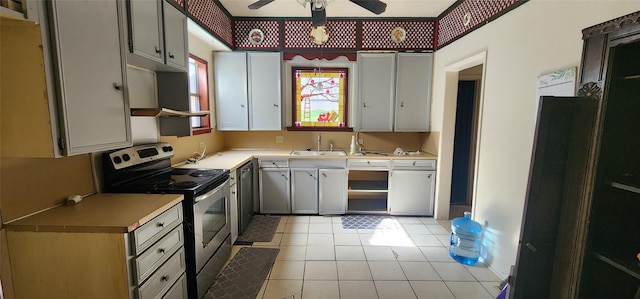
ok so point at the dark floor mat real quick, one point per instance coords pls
(367, 222)
(260, 229)
(244, 275)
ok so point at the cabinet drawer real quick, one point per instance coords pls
(156, 228)
(368, 164)
(178, 290)
(157, 254)
(273, 163)
(415, 164)
(162, 280)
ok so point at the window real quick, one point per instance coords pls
(320, 99)
(198, 94)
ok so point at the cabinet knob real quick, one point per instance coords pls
(165, 277)
(324, 175)
(414, 163)
(275, 105)
(233, 192)
(401, 104)
(364, 105)
(161, 250)
(158, 50)
(429, 176)
(171, 55)
(160, 224)
(117, 86)
(242, 105)
(284, 177)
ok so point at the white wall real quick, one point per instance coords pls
(538, 37)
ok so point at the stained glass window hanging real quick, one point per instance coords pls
(320, 96)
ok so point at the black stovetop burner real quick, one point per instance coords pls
(147, 169)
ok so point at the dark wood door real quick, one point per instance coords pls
(561, 138)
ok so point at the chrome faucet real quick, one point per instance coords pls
(319, 141)
(331, 147)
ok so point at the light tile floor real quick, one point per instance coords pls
(320, 259)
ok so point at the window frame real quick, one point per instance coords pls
(202, 94)
(294, 100)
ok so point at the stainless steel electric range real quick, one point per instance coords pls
(147, 169)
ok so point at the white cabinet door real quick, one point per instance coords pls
(304, 191)
(413, 92)
(333, 191)
(145, 29)
(231, 91)
(265, 112)
(411, 192)
(376, 73)
(274, 191)
(89, 55)
(175, 31)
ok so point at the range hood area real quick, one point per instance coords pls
(165, 112)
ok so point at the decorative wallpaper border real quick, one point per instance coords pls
(292, 34)
(469, 15)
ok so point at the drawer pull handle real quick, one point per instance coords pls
(324, 175)
(160, 224)
(531, 247)
(414, 163)
(165, 278)
(158, 50)
(171, 55)
(161, 250)
(275, 105)
(233, 192)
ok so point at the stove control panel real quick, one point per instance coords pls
(140, 154)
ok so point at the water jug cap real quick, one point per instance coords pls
(467, 215)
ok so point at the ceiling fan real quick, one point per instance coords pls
(318, 13)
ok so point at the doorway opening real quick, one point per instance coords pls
(465, 141)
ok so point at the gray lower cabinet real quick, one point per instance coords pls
(412, 187)
(304, 191)
(332, 191)
(274, 189)
(89, 74)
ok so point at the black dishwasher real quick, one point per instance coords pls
(245, 196)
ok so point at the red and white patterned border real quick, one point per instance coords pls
(376, 35)
(342, 35)
(212, 17)
(451, 26)
(270, 28)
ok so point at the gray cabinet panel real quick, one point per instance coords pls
(411, 192)
(376, 89)
(304, 191)
(274, 190)
(333, 191)
(413, 92)
(265, 112)
(231, 91)
(90, 78)
(175, 31)
(145, 29)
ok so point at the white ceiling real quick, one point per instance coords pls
(340, 9)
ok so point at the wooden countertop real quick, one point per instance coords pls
(233, 159)
(104, 212)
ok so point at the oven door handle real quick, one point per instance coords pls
(210, 193)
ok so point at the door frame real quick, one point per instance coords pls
(445, 147)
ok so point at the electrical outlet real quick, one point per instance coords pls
(202, 145)
(279, 139)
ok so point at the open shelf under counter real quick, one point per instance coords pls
(368, 186)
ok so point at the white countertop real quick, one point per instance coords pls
(233, 159)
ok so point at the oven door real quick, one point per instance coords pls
(211, 222)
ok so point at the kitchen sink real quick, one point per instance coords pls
(318, 153)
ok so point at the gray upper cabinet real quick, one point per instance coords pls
(264, 92)
(89, 75)
(248, 91)
(175, 33)
(157, 35)
(230, 74)
(394, 91)
(413, 92)
(376, 89)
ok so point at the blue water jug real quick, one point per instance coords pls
(465, 239)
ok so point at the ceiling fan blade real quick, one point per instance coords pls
(259, 3)
(374, 6)
(318, 17)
